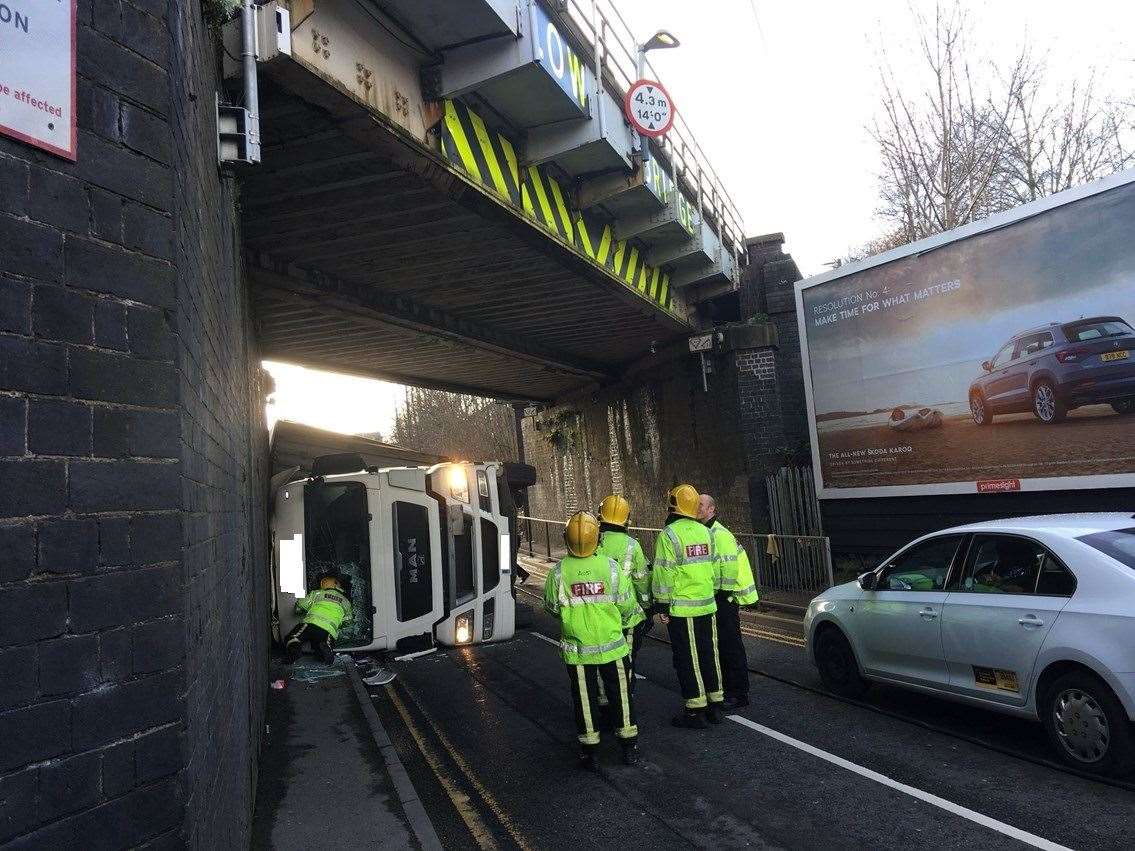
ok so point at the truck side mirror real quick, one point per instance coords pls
(987, 365)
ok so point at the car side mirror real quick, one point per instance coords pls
(868, 580)
(987, 365)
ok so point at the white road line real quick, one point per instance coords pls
(551, 641)
(942, 803)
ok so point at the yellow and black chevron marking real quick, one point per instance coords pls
(486, 156)
(490, 159)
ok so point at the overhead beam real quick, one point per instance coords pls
(369, 304)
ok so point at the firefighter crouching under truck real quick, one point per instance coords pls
(595, 602)
(324, 612)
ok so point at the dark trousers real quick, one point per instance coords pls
(584, 680)
(734, 662)
(317, 637)
(634, 637)
(694, 642)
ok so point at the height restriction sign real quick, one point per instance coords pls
(649, 108)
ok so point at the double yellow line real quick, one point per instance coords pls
(480, 831)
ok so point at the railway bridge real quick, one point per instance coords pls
(456, 199)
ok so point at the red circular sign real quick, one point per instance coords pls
(649, 108)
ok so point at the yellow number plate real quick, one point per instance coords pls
(1120, 355)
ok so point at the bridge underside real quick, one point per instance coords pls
(367, 255)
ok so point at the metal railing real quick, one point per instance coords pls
(799, 565)
(613, 48)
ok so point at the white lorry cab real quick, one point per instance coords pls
(429, 551)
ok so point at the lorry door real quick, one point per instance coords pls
(337, 525)
(408, 578)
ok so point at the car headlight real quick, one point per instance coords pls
(463, 631)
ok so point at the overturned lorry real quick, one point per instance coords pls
(430, 551)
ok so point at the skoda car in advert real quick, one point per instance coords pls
(1052, 369)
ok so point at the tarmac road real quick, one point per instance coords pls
(488, 738)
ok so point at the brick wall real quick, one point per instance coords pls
(666, 429)
(130, 531)
(224, 464)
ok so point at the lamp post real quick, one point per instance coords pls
(661, 40)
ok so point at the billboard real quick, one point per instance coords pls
(996, 357)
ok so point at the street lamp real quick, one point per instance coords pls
(661, 40)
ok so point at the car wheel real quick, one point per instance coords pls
(836, 662)
(1123, 406)
(979, 411)
(1088, 725)
(1046, 404)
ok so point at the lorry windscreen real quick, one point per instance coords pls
(337, 540)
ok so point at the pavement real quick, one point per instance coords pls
(486, 736)
(326, 778)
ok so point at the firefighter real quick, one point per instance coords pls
(735, 588)
(324, 612)
(616, 543)
(684, 578)
(594, 602)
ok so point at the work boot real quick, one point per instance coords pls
(714, 714)
(588, 758)
(736, 701)
(692, 719)
(630, 753)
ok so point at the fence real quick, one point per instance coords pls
(613, 51)
(791, 565)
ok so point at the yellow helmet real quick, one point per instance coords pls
(615, 510)
(581, 534)
(684, 501)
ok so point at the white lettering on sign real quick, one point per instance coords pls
(37, 73)
(649, 108)
(555, 47)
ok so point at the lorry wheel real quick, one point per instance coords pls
(1123, 406)
(1046, 404)
(836, 662)
(1087, 724)
(979, 410)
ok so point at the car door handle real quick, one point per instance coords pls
(1030, 620)
(928, 614)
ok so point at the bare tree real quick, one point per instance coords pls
(467, 427)
(953, 149)
(1055, 144)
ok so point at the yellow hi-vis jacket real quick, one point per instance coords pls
(326, 608)
(735, 575)
(685, 571)
(594, 602)
(625, 550)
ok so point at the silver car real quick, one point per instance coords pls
(1032, 616)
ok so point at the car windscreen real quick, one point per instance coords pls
(1094, 329)
(1117, 543)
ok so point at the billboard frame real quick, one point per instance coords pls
(996, 222)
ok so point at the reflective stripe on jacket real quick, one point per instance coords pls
(625, 550)
(326, 608)
(594, 601)
(735, 575)
(685, 570)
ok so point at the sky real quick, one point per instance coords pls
(780, 94)
(343, 403)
